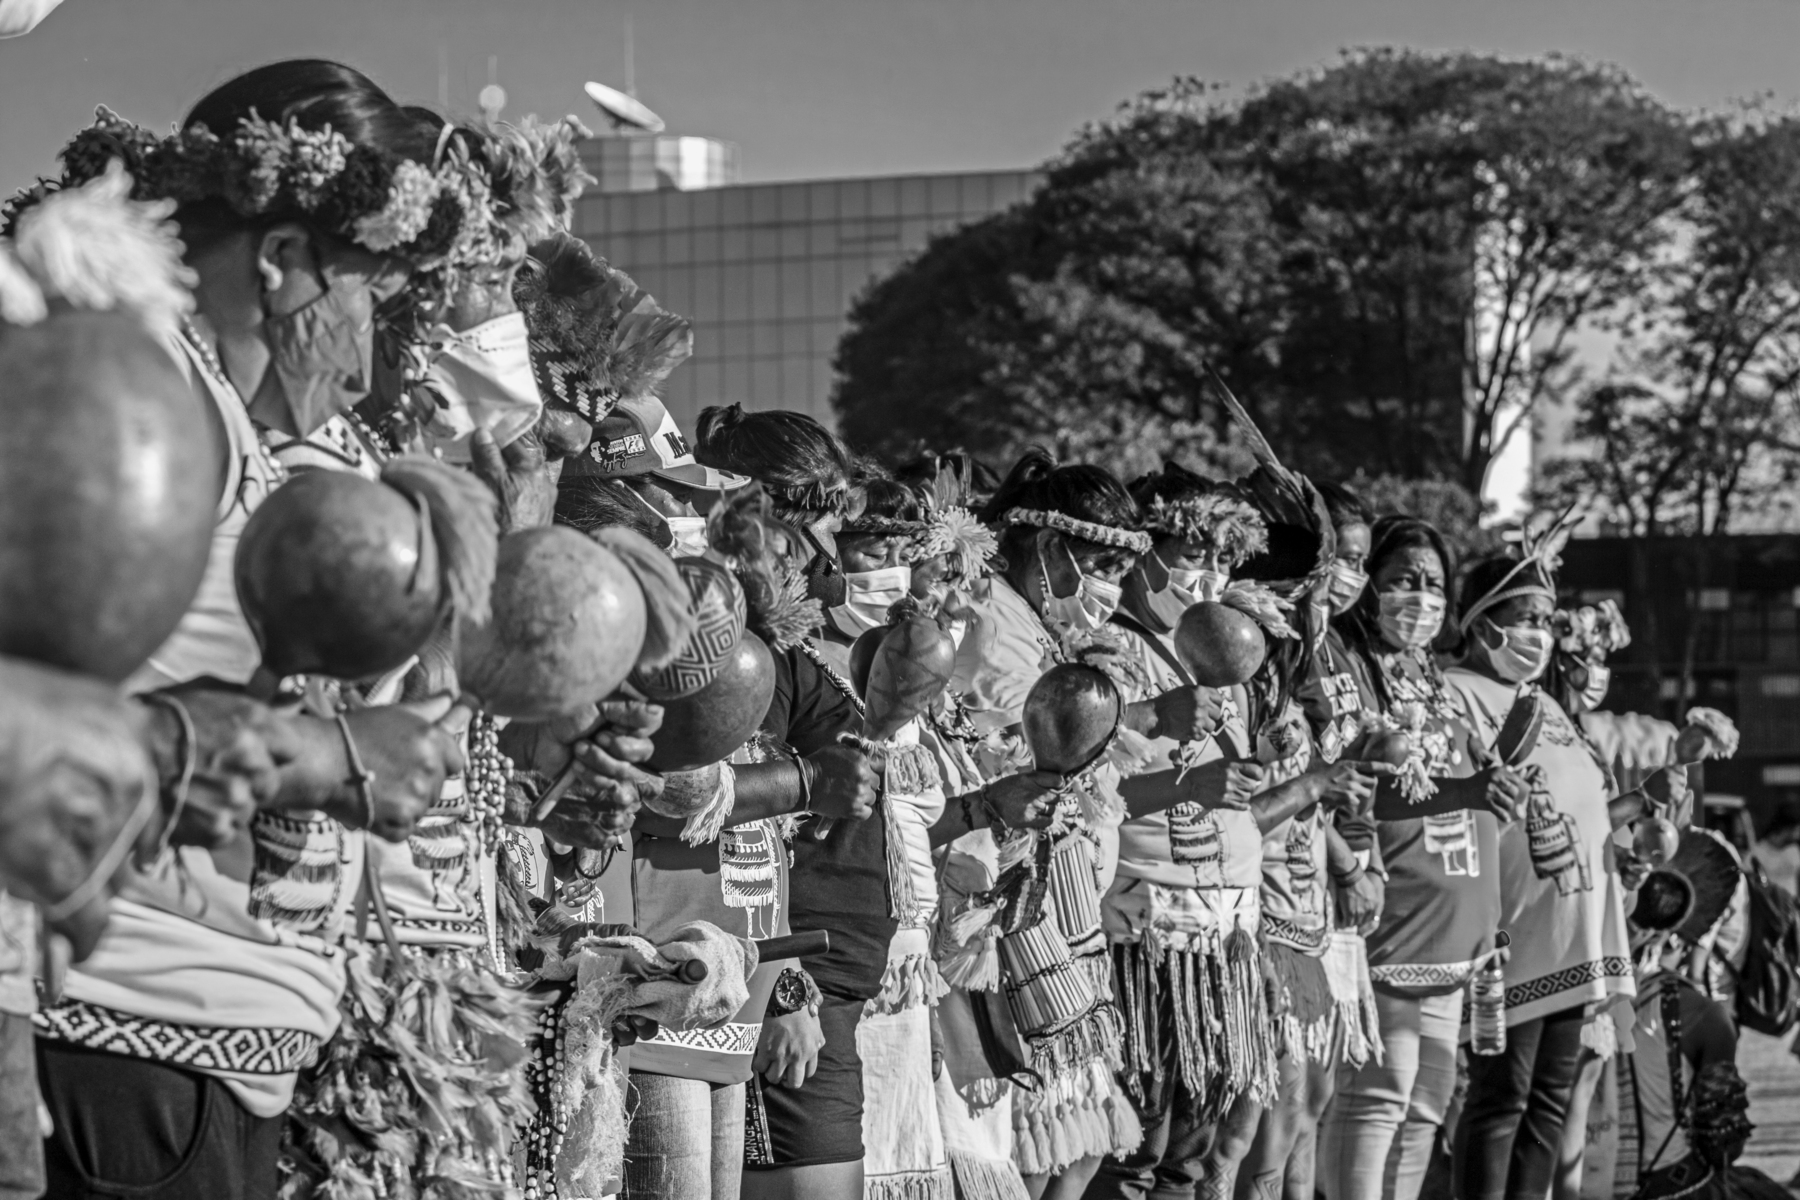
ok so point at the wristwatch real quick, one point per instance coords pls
(794, 990)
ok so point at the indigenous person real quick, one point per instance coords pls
(1438, 838)
(1183, 912)
(872, 546)
(839, 878)
(1561, 897)
(190, 973)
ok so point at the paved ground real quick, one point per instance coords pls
(1773, 1076)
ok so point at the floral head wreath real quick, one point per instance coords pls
(1219, 519)
(1091, 531)
(469, 209)
(1535, 572)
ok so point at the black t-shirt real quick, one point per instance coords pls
(840, 884)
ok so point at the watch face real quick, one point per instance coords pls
(790, 992)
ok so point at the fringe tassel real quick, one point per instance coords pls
(422, 1088)
(911, 1185)
(1077, 1115)
(968, 947)
(985, 1179)
(903, 905)
(909, 982)
(707, 824)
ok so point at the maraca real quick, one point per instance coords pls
(1220, 646)
(1070, 717)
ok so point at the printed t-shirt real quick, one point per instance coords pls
(1443, 888)
(1560, 894)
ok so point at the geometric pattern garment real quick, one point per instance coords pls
(251, 1051)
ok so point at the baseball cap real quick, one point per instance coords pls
(640, 437)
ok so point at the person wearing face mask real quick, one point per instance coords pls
(873, 548)
(1185, 904)
(175, 1049)
(1068, 536)
(1561, 896)
(1438, 831)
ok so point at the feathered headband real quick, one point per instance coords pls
(596, 337)
(469, 209)
(92, 248)
(957, 533)
(1088, 531)
(1218, 519)
(1535, 572)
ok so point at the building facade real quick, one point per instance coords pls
(768, 271)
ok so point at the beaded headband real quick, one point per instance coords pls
(1090, 531)
(869, 523)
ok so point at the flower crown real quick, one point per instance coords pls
(1228, 524)
(1591, 632)
(479, 202)
(1089, 531)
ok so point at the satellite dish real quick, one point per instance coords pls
(623, 110)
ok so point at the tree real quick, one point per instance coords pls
(1699, 424)
(1321, 244)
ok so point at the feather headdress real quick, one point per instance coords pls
(595, 335)
(1302, 542)
(1535, 572)
(777, 607)
(92, 247)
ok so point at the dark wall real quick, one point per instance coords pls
(1713, 622)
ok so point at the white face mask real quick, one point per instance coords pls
(867, 597)
(1347, 583)
(1522, 654)
(1599, 679)
(1094, 601)
(1411, 619)
(689, 534)
(1187, 587)
(483, 380)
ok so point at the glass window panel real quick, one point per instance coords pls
(765, 384)
(977, 194)
(706, 208)
(734, 206)
(853, 276)
(618, 214)
(822, 201)
(708, 246)
(590, 215)
(1008, 188)
(646, 250)
(823, 380)
(707, 308)
(765, 290)
(676, 291)
(946, 195)
(765, 243)
(793, 241)
(884, 197)
(678, 247)
(853, 198)
(823, 293)
(734, 340)
(734, 294)
(914, 233)
(915, 196)
(765, 339)
(796, 382)
(677, 210)
(765, 205)
(795, 342)
(735, 245)
(646, 211)
(709, 387)
(822, 238)
(825, 335)
(792, 199)
(794, 300)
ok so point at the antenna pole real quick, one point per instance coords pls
(630, 60)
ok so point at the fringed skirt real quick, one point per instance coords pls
(904, 1156)
(1212, 996)
(422, 1089)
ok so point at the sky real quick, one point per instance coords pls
(822, 88)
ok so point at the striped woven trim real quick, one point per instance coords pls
(1092, 531)
(207, 1048)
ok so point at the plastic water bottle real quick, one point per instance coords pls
(1487, 1003)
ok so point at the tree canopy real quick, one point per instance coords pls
(1386, 260)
